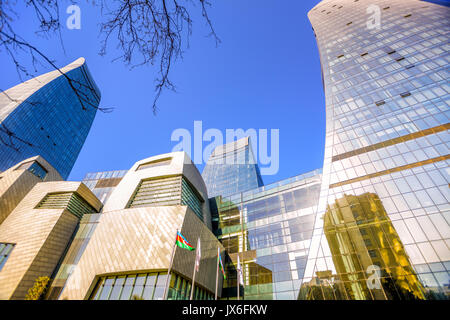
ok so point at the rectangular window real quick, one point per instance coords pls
(405, 94)
(5, 251)
(108, 183)
(191, 199)
(35, 168)
(143, 286)
(167, 191)
(157, 192)
(66, 200)
(155, 163)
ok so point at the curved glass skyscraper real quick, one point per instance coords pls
(382, 231)
(44, 116)
(232, 169)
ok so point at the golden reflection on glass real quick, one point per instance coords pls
(360, 235)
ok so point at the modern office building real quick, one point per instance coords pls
(35, 235)
(361, 235)
(384, 200)
(17, 181)
(49, 116)
(231, 169)
(270, 229)
(103, 184)
(124, 252)
(373, 225)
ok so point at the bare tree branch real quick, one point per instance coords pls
(150, 32)
(147, 32)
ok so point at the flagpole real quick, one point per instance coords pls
(238, 279)
(217, 271)
(195, 269)
(243, 279)
(193, 281)
(241, 273)
(166, 289)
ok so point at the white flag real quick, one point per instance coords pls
(198, 256)
(239, 270)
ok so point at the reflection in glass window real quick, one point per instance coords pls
(5, 251)
(146, 286)
(35, 168)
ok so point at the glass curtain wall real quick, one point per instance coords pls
(382, 229)
(270, 229)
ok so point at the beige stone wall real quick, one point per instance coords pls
(125, 240)
(141, 240)
(15, 184)
(40, 237)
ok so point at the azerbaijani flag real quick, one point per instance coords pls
(183, 243)
(219, 259)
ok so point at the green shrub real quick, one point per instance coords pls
(38, 289)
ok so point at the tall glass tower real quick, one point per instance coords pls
(232, 169)
(269, 229)
(382, 230)
(44, 116)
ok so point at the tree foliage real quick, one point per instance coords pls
(38, 289)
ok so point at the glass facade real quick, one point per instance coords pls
(131, 287)
(102, 184)
(180, 289)
(66, 200)
(384, 200)
(83, 235)
(168, 191)
(231, 169)
(50, 119)
(190, 198)
(270, 228)
(146, 286)
(35, 168)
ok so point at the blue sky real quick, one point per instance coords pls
(264, 75)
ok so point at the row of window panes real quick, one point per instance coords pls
(131, 287)
(145, 287)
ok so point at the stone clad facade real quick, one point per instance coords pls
(40, 237)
